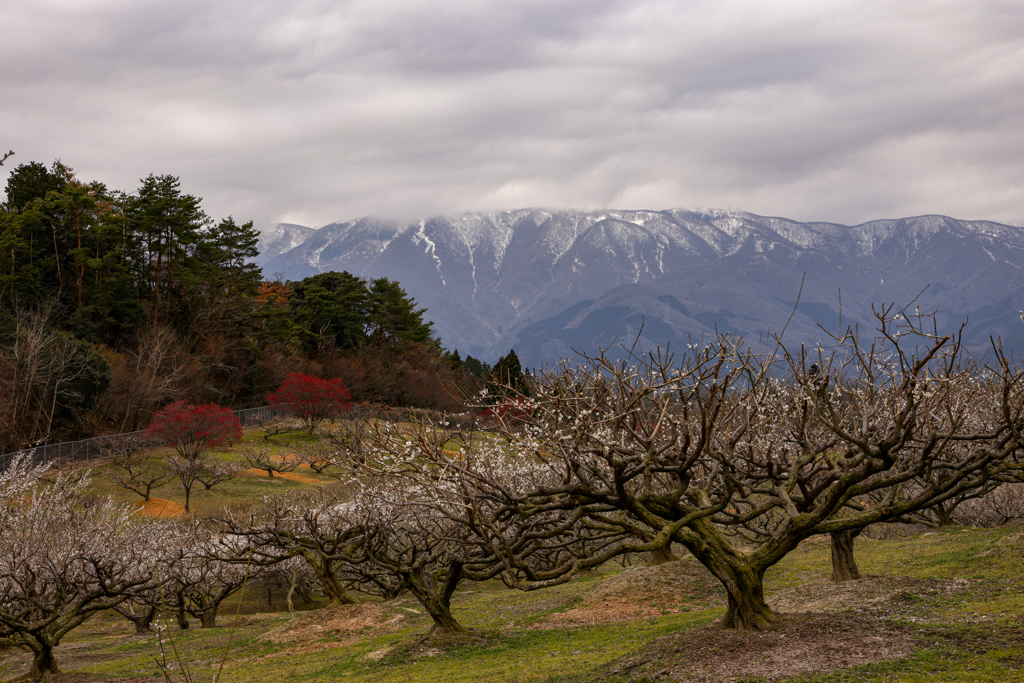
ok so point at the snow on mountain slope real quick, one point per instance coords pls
(494, 280)
(280, 238)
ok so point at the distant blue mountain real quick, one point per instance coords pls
(547, 282)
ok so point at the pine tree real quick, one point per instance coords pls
(507, 374)
(332, 306)
(393, 314)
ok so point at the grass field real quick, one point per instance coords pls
(247, 487)
(943, 605)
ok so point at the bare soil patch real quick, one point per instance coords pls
(876, 595)
(334, 627)
(641, 592)
(83, 678)
(797, 645)
(301, 478)
(290, 476)
(159, 507)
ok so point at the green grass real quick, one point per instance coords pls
(249, 486)
(971, 634)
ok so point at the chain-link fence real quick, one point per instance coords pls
(74, 452)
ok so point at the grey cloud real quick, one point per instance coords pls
(320, 111)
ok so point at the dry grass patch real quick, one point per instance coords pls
(872, 594)
(797, 645)
(333, 627)
(642, 592)
(159, 507)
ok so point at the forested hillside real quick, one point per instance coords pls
(113, 304)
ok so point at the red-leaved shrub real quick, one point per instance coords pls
(511, 411)
(311, 399)
(191, 429)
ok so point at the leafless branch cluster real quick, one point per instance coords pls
(259, 457)
(735, 454)
(62, 561)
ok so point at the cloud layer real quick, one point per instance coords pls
(312, 112)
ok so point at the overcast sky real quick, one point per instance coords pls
(313, 112)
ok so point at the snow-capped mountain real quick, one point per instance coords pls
(280, 238)
(547, 282)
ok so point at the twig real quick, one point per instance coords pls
(241, 599)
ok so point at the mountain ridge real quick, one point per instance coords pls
(494, 280)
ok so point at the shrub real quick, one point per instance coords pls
(191, 429)
(311, 399)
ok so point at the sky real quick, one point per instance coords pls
(312, 112)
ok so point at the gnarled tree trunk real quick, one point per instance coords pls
(743, 580)
(142, 622)
(661, 556)
(44, 664)
(844, 565)
(437, 599)
(181, 616)
(748, 610)
(324, 569)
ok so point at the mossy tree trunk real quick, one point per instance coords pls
(180, 612)
(741, 575)
(323, 567)
(661, 556)
(944, 514)
(748, 610)
(44, 664)
(143, 622)
(436, 596)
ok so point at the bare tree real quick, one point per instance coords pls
(370, 579)
(429, 526)
(204, 580)
(317, 526)
(258, 457)
(188, 471)
(132, 467)
(413, 542)
(140, 611)
(343, 444)
(277, 425)
(40, 370)
(155, 371)
(217, 471)
(739, 455)
(1003, 504)
(62, 562)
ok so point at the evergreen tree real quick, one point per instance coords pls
(507, 374)
(477, 368)
(31, 181)
(332, 306)
(393, 314)
(226, 280)
(169, 224)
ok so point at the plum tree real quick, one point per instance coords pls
(63, 559)
(738, 455)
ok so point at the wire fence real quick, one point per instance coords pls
(74, 452)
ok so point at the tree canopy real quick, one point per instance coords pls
(158, 302)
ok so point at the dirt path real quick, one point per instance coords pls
(159, 507)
